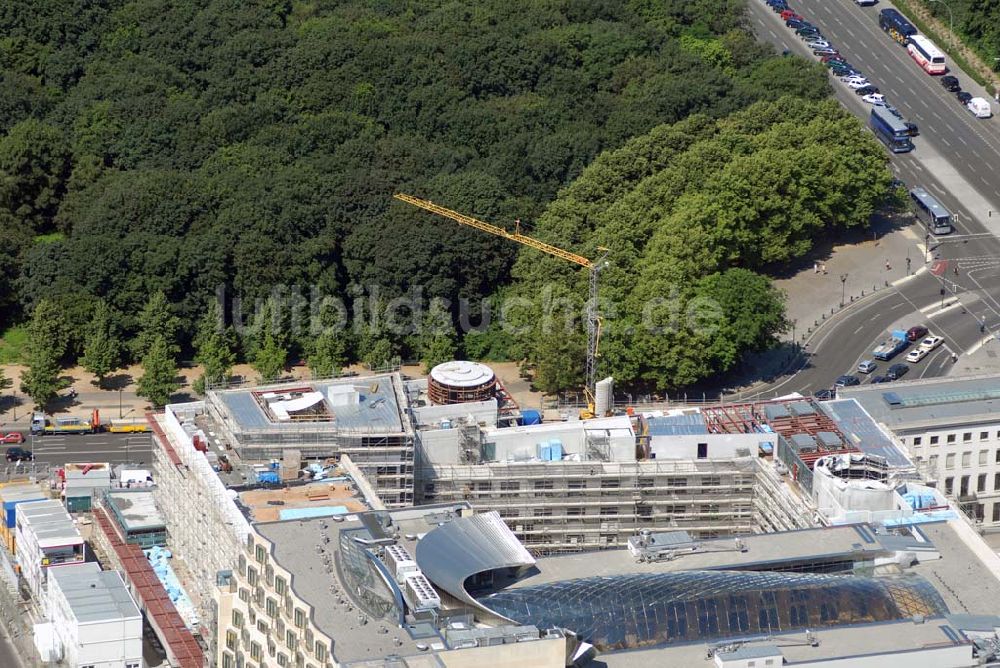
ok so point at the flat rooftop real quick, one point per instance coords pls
(317, 499)
(50, 523)
(95, 595)
(22, 492)
(136, 510)
(930, 402)
(864, 433)
(378, 409)
(301, 546)
(761, 551)
(834, 642)
(968, 574)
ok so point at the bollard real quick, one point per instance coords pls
(887, 284)
(862, 293)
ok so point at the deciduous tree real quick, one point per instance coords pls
(102, 346)
(159, 377)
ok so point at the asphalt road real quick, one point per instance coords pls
(56, 450)
(957, 159)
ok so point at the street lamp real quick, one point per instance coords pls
(951, 22)
(843, 288)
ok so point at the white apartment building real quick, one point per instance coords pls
(94, 621)
(46, 539)
(951, 429)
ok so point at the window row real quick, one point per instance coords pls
(967, 437)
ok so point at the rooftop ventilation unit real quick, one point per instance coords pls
(399, 561)
(420, 595)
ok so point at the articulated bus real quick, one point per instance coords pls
(926, 54)
(894, 23)
(892, 131)
(929, 210)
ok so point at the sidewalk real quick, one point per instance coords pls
(852, 270)
(812, 297)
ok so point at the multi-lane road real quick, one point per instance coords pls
(56, 450)
(957, 159)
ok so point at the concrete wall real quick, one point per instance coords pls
(521, 443)
(482, 413)
(545, 653)
(720, 446)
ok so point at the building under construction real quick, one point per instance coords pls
(365, 418)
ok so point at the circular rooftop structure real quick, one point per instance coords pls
(460, 382)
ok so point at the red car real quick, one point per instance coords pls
(789, 14)
(13, 438)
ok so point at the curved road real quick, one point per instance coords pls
(957, 158)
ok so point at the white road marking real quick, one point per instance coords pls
(976, 346)
(940, 311)
(859, 329)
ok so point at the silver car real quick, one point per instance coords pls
(867, 366)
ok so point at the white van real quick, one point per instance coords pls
(980, 107)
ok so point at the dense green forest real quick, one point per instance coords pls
(163, 154)
(977, 22)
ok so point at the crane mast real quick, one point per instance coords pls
(594, 269)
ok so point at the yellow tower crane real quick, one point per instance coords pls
(593, 317)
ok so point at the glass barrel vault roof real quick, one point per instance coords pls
(648, 609)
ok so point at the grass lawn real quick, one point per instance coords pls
(12, 345)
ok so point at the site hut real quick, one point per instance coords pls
(93, 620)
(46, 538)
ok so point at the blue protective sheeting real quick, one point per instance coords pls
(531, 417)
(158, 558)
(309, 513)
(268, 477)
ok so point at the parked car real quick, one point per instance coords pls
(896, 371)
(808, 31)
(855, 82)
(789, 14)
(796, 23)
(13, 438)
(847, 381)
(823, 50)
(19, 455)
(916, 355)
(832, 57)
(823, 395)
(879, 379)
(875, 99)
(963, 97)
(867, 366)
(844, 70)
(931, 342)
(950, 83)
(916, 332)
(818, 43)
(866, 90)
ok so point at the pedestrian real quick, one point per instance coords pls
(887, 265)
(815, 267)
(823, 267)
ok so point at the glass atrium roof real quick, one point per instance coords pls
(648, 609)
